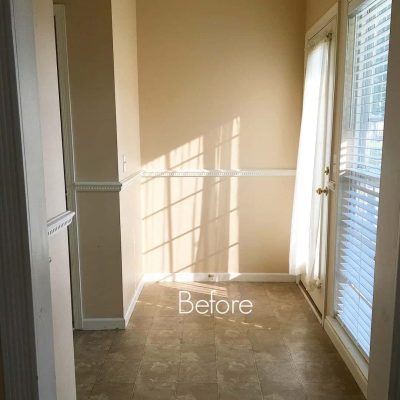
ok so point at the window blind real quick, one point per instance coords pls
(360, 167)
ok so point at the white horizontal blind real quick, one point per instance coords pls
(360, 167)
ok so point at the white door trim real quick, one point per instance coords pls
(352, 357)
(26, 324)
(69, 163)
(385, 343)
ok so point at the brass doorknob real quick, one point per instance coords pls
(323, 191)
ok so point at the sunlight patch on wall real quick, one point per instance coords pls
(191, 224)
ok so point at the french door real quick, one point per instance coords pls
(359, 172)
(310, 211)
(315, 285)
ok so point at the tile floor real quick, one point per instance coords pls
(279, 352)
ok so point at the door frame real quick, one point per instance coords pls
(69, 161)
(26, 324)
(385, 340)
(328, 23)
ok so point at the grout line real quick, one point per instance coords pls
(144, 352)
(216, 357)
(255, 366)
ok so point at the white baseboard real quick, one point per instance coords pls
(134, 300)
(103, 324)
(220, 277)
(355, 362)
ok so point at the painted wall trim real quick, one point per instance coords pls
(117, 186)
(59, 222)
(219, 173)
(98, 186)
(134, 301)
(355, 362)
(219, 277)
(102, 324)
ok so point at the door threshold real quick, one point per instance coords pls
(310, 301)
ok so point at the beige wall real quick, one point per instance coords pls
(102, 55)
(55, 196)
(128, 137)
(126, 84)
(91, 73)
(100, 254)
(91, 69)
(316, 9)
(220, 86)
(216, 225)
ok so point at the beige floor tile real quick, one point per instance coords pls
(265, 322)
(303, 353)
(342, 389)
(165, 352)
(275, 386)
(145, 310)
(168, 312)
(228, 322)
(234, 352)
(150, 391)
(163, 323)
(158, 371)
(89, 353)
(279, 348)
(131, 342)
(111, 391)
(197, 391)
(199, 371)
(262, 340)
(132, 353)
(83, 391)
(117, 370)
(164, 337)
(277, 371)
(242, 391)
(94, 340)
(198, 353)
(195, 322)
(273, 352)
(198, 337)
(231, 336)
(236, 371)
(86, 372)
(140, 323)
(323, 371)
(287, 395)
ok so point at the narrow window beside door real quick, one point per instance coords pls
(360, 167)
